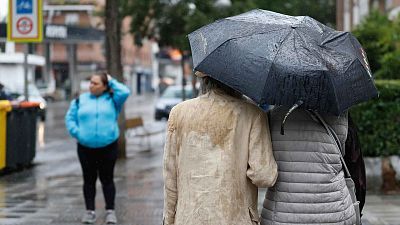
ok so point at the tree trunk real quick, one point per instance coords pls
(370, 5)
(339, 14)
(382, 6)
(389, 183)
(113, 60)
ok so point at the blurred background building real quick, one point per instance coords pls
(73, 47)
(349, 13)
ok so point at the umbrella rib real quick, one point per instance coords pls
(336, 36)
(294, 44)
(273, 60)
(322, 59)
(351, 65)
(352, 46)
(304, 41)
(364, 68)
(355, 50)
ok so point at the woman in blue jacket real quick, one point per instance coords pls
(92, 119)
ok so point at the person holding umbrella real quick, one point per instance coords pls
(295, 62)
(217, 152)
(311, 188)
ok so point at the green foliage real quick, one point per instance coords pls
(172, 20)
(144, 14)
(172, 26)
(322, 10)
(240, 6)
(378, 120)
(380, 38)
(390, 66)
(375, 34)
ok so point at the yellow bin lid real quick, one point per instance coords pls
(5, 105)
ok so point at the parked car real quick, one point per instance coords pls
(5, 93)
(47, 92)
(34, 96)
(171, 97)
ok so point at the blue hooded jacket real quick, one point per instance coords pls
(93, 120)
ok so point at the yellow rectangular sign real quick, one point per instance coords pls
(25, 21)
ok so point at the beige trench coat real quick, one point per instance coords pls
(218, 151)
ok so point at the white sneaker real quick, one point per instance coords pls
(89, 217)
(111, 218)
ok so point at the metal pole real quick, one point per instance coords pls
(26, 91)
(183, 77)
(73, 77)
(47, 68)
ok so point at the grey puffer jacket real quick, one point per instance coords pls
(310, 188)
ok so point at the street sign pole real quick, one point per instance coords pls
(26, 90)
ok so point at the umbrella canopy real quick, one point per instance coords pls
(278, 59)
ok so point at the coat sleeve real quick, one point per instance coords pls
(71, 119)
(262, 168)
(120, 92)
(170, 173)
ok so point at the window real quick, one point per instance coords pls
(71, 19)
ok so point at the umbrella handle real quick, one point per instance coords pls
(295, 106)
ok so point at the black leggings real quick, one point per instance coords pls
(99, 161)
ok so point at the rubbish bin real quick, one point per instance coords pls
(13, 134)
(5, 106)
(21, 135)
(30, 123)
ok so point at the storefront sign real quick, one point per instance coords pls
(56, 31)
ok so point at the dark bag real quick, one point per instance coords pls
(355, 162)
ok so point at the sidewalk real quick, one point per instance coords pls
(382, 210)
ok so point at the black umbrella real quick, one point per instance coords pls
(278, 59)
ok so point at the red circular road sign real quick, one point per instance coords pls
(24, 25)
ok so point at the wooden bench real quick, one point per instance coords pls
(135, 128)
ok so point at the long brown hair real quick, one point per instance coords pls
(104, 78)
(208, 84)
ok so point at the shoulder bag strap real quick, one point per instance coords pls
(77, 102)
(333, 135)
(349, 182)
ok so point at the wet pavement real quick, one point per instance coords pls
(50, 192)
